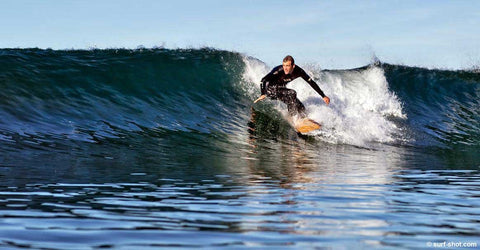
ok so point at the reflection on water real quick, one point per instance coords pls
(251, 189)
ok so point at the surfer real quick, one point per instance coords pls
(273, 85)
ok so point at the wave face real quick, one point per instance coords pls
(92, 95)
(84, 95)
(443, 106)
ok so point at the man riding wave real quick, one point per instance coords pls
(273, 85)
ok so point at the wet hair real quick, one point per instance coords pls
(289, 58)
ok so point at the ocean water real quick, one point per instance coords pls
(150, 148)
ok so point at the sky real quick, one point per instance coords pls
(330, 34)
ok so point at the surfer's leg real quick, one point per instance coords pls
(289, 97)
(300, 108)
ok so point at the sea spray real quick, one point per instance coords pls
(361, 105)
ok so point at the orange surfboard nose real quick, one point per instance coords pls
(306, 125)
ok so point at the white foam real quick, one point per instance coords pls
(255, 70)
(360, 108)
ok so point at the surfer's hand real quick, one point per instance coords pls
(260, 98)
(326, 99)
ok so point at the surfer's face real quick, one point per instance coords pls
(288, 67)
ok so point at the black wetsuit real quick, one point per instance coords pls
(274, 86)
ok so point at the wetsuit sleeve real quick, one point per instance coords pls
(311, 82)
(270, 77)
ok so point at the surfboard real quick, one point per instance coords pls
(306, 125)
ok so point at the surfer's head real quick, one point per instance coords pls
(288, 64)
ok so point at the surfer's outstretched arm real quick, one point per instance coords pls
(314, 85)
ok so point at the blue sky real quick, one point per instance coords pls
(332, 34)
